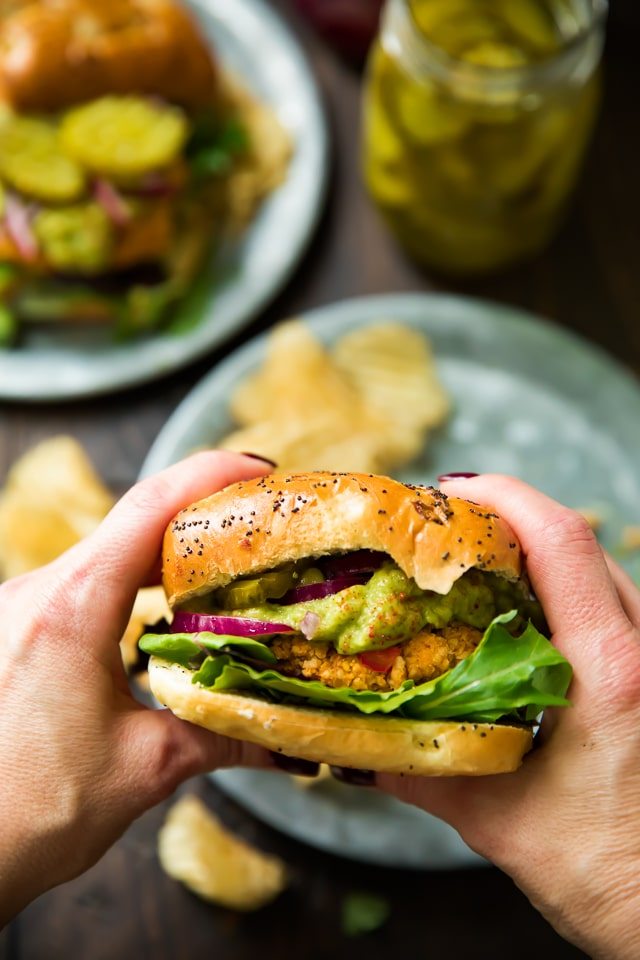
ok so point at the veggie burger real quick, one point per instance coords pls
(355, 620)
(111, 132)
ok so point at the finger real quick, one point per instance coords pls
(455, 800)
(162, 751)
(565, 563)
(123, 552)
(627, 589)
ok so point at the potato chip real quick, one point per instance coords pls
(298, 380)
(52, 499)
(321, 444)
(31, 534)
(393, 366)
(631, 538)
(593, 516)
(365, 407)
(196, 849)
(149, 608)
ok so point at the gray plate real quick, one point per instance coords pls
(530, 399)
(63, 364)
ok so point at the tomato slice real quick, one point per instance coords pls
(379, 660)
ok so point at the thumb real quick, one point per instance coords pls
(123, 552)
(161, 751)
(452, 799)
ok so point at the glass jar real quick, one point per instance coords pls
(477, 116)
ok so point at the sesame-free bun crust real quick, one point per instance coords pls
(385, 744)
(258, 524)
(54, 54)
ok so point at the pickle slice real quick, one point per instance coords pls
(427, 117)
(457, 36)
(255, 590)
(311, 575)
(497, 56)
(430, 15)
(75, 239)
(531, 23)
(385, 150)
(124, 136)
(32, 161)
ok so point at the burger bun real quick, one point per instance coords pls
(440, 748)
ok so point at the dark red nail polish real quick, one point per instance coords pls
(354, 777)
(455, 476)
(258, 456)
(301, 768)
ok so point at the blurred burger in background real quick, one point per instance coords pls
(125, 152)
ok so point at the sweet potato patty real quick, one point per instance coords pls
(425, 656)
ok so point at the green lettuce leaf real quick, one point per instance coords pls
(213, 147)
(505, 676)
(183, 648)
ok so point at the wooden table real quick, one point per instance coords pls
(589, 281)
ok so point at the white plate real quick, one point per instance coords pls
(529, 399)
(64, 364)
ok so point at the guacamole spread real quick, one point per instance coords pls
(389, 609)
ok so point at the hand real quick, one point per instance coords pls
(80, 759)
(566, 826)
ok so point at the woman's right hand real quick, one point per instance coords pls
(566, 826)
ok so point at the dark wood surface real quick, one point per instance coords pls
(589, 281)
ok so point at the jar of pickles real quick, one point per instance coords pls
(477, 116)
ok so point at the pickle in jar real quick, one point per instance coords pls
(486, 155)
(33, 162)
(124, 137)
(445, 22)
(385, 168)
(457, 26)
(496, 55)
(428, 116)
(531, 23)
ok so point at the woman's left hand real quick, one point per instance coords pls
(81, 759)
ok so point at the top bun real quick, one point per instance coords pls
(54, 53)
(258, 524)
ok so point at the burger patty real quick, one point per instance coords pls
(426, 656)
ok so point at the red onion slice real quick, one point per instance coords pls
(309, 625)
(360, 561)
(111, 201)
(17, 218)
(184, 622)
(155, 184)
(316, 591)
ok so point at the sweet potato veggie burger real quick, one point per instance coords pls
(115, 132)
(355, 620)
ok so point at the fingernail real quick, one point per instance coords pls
(258, 456)
(455, 476)
(353, 776)
(301, 768)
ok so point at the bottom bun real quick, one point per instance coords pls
(441, 748)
